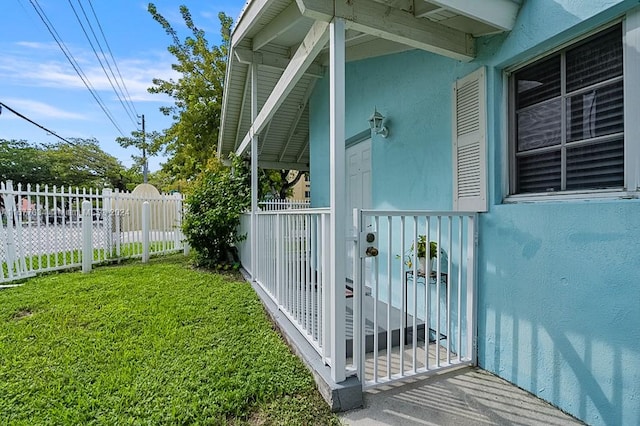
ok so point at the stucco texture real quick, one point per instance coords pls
(558, 282)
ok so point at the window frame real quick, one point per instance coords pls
(631, 94)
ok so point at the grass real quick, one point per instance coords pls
(38, 262)
(159, 343)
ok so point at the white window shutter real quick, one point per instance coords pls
(470, 143)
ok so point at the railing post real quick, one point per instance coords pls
(87, 243)
(146, 218)
(326, 281)
(358, 294)
(472, 279)
(279, 257)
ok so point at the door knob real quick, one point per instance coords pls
(371, 251)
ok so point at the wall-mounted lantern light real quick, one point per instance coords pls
(376, 123)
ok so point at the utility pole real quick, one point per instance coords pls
(144, 153)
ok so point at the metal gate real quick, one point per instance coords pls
(416, 296)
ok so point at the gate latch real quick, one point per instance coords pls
(367, 241)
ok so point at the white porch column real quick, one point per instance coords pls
(338, 198)
(254, 172)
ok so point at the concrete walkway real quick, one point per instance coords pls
(467, 396)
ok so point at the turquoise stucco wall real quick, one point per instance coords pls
(419, 119)
(558, 282)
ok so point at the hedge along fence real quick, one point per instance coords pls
(47, 229)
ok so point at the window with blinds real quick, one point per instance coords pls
(568, 118)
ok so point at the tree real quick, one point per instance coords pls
(191, 140)
(149, 144)
(22, 162)
(167, 183)
(280, 183)
(84, 163)
(79, 163)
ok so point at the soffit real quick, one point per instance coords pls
(268, 32)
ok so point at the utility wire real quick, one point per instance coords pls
(98, 56)
(72, 61)
(23, 7)
(81, 153)
(35, 124)
(122, 87)
(113, 59)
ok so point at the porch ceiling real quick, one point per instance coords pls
(273, 34)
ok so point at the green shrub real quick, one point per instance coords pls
(219, 196)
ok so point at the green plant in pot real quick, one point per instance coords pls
(422, 247)
(422, 254)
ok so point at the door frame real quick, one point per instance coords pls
(351, 230)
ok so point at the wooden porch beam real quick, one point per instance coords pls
(369, 49)
(393, 24)
(245, 92)
(302, 151)
(248, 20)
(296, 119)
(318, 10)
(313, 42)
(279, 25)
(264, 137)
(271, 60)
(500, 14)
(280, 165)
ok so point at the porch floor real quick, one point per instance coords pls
(467, 396)
(394, 360)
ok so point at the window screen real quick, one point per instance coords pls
(569, 118)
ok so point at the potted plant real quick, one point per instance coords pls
(421, 253)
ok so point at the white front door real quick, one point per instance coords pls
(358, 173)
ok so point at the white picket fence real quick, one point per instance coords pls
(46, 228)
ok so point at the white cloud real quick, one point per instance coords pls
(40, 110)
(38, 45)
(28, 69)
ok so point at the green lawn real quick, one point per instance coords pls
(52, 260)
(159, 343)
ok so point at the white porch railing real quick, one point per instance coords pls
(412, 320)
(396, 326)
(272, 205)
(291, 266)
(45, 229)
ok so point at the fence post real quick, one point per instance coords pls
(87, 244)
(185, 243)
(119, 214)
(107, 214)
(178, 222)
(146, 218)
(10, 214)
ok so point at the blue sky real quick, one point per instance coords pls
(37, 80)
